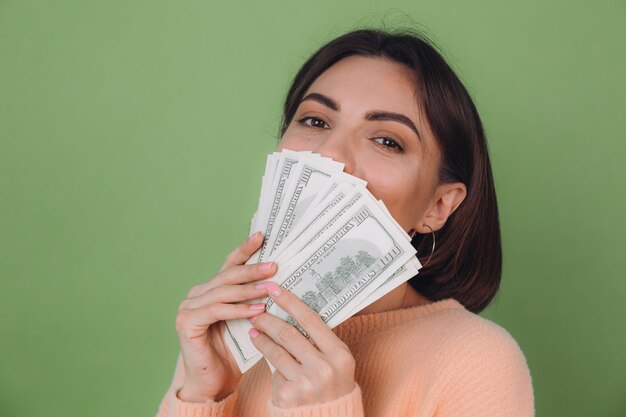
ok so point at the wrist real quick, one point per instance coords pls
(350, 404)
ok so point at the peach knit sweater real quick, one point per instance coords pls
(434, 360)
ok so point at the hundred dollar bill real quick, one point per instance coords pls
(337, 271)
(299, 230)
(304, 198)
(266, 218)
(346, 265)
(310, 210)
(405, 273)
(236, 331)
(315, 226)
(309, 177)
(339, 193)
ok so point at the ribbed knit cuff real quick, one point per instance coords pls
(350, 405)
(209, 408)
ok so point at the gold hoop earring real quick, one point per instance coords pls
(433, 248)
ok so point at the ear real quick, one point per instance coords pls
(448, 197)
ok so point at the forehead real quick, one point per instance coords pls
(369, 82)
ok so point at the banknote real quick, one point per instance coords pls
(236, 330)
(297, 235)
(403, 274)
(338, 267)
(336, 246)
(304, 185)
(272, 202)
(343, 266)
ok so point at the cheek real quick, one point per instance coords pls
(401, 196)
(293, 142)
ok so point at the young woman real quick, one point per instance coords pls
(389, 107)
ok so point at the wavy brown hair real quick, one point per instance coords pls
(467, 262)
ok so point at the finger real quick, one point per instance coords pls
(277, 355)
(243, 252)
(238, 274)
(241, 274)
(305, 316)
(191, 323)
(288, 337)
(226, 294)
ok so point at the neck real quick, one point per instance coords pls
(404, 296)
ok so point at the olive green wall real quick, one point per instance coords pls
(132, 143)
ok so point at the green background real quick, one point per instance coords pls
(133, 137)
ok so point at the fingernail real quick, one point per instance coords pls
(257, 307)
(253, 236)
(253, 333)
(265, 266)
(261, 286)
(273, 289)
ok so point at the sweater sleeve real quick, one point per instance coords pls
(350, 405)
(172, 406)
(489, 377)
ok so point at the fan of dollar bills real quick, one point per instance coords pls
(335, 245)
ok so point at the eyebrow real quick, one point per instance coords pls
(372, 115)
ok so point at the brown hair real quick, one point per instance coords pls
(467, 262)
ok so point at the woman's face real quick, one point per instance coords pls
(363, 112)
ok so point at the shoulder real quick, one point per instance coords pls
(479, 361)
(457, 327)
(467, 332)
(467, 338)
(451, 337)
(468, 364)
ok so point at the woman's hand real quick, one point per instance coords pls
(210, 370)
(305, 373)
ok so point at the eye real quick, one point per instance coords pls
(312, 122)
(389, 143)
